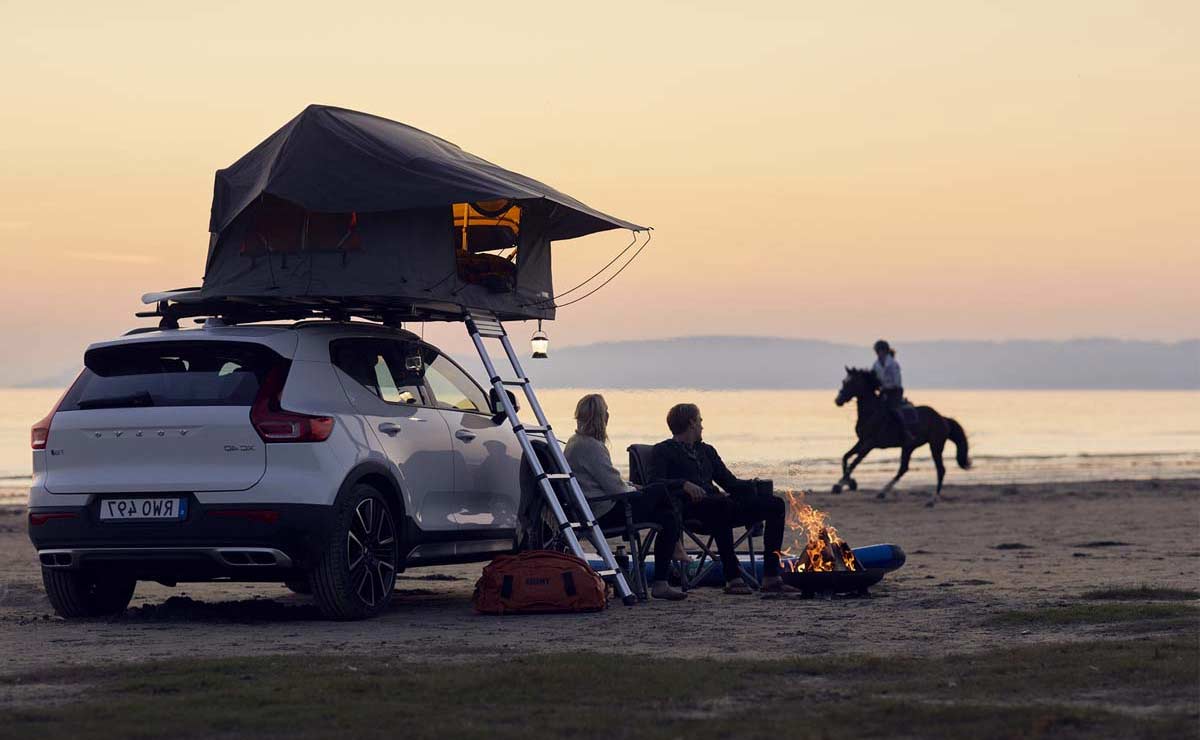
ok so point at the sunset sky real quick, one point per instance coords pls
(828, 170)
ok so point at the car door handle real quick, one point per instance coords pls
(391, 428)
(464, 435)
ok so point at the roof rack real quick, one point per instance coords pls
(173, 305)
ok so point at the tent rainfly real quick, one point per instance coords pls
(345, 207)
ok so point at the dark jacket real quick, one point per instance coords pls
(672, 462)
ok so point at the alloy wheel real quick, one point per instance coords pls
(371, 551)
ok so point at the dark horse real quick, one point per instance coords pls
(880, 430)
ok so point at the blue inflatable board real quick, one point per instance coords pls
(885, 557)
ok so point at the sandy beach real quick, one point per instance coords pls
(986, 550)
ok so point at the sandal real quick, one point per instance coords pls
(737, 588)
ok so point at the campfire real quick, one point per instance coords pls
(824, 551)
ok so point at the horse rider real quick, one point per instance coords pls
(891, 388)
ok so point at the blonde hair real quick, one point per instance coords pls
(591, 417)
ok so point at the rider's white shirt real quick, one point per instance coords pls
(888, 372)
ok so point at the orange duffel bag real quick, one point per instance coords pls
(538, 582)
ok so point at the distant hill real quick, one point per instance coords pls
(61, 380)
(721, 362)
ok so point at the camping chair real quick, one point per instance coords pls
(540, 532)
(639, 535)
(639, 464)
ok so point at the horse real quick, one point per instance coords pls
(876, 428)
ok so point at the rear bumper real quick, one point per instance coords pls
(238, 542)
(228, 557)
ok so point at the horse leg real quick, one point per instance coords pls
(849, 480)
(936, 449)
(905, 456)
(846, 467)
(846, 461)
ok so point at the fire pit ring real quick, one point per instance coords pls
(834, 582)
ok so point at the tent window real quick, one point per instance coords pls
(279, 226)
(486, 234)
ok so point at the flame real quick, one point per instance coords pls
(824, 550)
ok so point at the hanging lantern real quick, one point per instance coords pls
(540, 343)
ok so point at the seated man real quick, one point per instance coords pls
(684, 458)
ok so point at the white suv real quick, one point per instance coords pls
(325, 455)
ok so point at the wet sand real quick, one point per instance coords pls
(985, 550)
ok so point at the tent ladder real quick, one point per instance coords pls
(484, 325)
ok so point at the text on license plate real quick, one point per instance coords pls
(143, 508)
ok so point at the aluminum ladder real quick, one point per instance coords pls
(484, 325)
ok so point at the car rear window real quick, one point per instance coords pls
(170, 374)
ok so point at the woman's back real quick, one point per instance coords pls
(593, 467)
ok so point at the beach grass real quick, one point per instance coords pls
(1096, 688)
(1142, 593)
(1100, 613)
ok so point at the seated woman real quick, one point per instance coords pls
(587, 452)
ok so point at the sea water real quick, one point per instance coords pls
(798, 437)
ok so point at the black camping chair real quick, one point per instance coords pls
(639, 537)
(640, 457)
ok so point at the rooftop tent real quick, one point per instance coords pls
(346, 206)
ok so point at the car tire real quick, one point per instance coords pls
(85, 593)
(299, 586)
(355, 576)
(538, 531)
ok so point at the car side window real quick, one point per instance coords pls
(453, 388)
(378, 366)
(388, 389)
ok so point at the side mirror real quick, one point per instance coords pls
(498, 408)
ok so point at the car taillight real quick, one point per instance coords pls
(39, 434)
(38, 520)
(274, 424)
(263, 516)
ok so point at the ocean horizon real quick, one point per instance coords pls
(797, 437)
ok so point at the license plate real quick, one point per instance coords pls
(142, 509)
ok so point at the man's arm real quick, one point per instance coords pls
(726, 479)
(665, 468)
